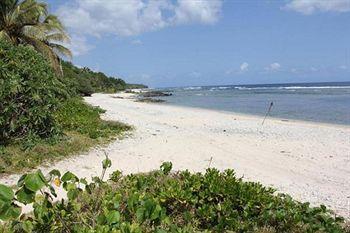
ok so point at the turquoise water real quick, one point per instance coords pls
(319, 102)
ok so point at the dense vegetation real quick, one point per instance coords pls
(75, 115)
(28, 22)
(84, 81)
(82, 128)
(159, 201)
(41, 118)
(29, 94)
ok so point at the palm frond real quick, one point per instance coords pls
(28, 22)
(61, 50)
(47, 52)
(58, 36)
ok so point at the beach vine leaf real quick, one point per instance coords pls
(6, 193)
(34, 181)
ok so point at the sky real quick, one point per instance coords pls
(167, 43)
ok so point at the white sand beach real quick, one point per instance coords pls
(309, 161)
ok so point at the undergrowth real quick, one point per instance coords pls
(159, 201)
(76, 115)
(82, 129)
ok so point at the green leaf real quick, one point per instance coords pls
(68, 176)
(160, 231)
(101, 219)
(6, 193)
(27, 226)
(25, 195)
(11, 212)
(72, 194)
(52, 190)
(34, 182)
(20, 182)
(41, 175)
(106, 163)
(156, 212)
(113, 217)
(140, 214)
(166, 167)
(55, 172)
(83, 181)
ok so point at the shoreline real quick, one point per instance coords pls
(308, 161)
(133, 96)
(291, 120)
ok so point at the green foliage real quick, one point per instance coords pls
(82, 127)
(76, 115)
(166, 167)
(160, 201)
(85, 82)
(135, 86)
(28, 22)
(29, 94)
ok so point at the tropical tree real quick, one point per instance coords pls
(28, 22)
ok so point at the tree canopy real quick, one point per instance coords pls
(29, 22)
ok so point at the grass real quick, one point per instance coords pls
(83, 129)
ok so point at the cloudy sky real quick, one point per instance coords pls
(210, 42)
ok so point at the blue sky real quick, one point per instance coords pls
(211, 42)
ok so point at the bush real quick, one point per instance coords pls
(75, 115)
(82, 129)
(84, 81)
(29, 94)
(84, 87)
(159, 201)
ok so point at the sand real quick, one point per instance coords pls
(309, 161)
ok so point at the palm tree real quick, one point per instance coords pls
(28, 22)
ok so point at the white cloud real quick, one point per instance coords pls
(308, 7)
(228, 72)
(133, 17)
(273, 67)
(78, 45)
(136, 42)
(244, 67)
(145, 76)
(122, 18)
(197, 11)
(343, 67)
(313, 69)
(195, 74)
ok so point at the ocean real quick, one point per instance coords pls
(317, 102)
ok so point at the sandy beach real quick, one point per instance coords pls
(309, 161)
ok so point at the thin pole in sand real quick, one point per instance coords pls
(210, 160)
(267, 113)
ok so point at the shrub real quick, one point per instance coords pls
(75, 115)
(84, 87)
(29, 94)
(84, 81)
(158, 202)
(81, 128)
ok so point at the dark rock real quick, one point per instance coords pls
(150, 100)
(155, 94)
